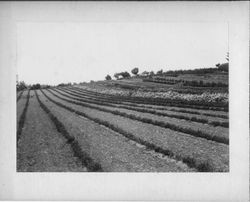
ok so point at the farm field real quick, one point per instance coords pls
(103, 127)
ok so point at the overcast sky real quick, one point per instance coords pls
(52, 53)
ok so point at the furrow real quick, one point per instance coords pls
(78, 152)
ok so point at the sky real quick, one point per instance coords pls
(53, 53)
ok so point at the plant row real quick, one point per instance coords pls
(144, 110)
(174, 127)
(193, 83)
(119, 100)
(169, 102)
(190, 161)
(78, 152)
(23, 118)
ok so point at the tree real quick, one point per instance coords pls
(159, 72)
(135, 71)
(108, 77)
(125, 74)
(35, 86)
(21, 85)
(116, 75)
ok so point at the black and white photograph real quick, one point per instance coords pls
(122, 97)
(145, 88)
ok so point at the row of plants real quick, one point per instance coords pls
(118, 100)
(174, 127)
(206, 101)
(78, 152)
(23, 118)
(144, 110)
(190, 161)
(193, 83)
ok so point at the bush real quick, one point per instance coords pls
(35, 86)
(135, 71)
(21, 86)
(108, 77)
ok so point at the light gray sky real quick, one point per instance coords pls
(52, 53)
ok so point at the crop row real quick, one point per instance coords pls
(190, 131)
(22, 118)
(167, 102)
(119, 102)
(19, 96)
(193, 83)
(116, 100)
(190, 161)
(78, 152)
(144, 110)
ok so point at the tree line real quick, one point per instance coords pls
(223, 68)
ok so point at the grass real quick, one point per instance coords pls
(78, 152)
(191, 162)
(144, 110)
(23, 118)
(190, 131)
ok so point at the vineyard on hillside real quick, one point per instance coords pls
(116, 126)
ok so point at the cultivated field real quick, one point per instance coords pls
(118, 126)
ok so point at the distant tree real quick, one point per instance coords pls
(108, 77)
(21, 85)
(125, 75)
(217, 65)
(35, 86)
(135, 71)
(116, 75)
(145, 73)
(159, 72)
